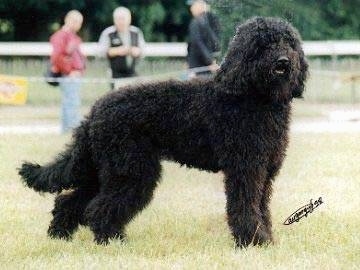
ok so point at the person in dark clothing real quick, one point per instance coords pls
(122, 44)
(204, 39)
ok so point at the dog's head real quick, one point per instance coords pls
(264, 60)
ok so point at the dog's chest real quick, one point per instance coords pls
(257, 129)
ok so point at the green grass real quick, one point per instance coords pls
(185, 225)
(31, 114)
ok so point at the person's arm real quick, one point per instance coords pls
(141, 43)
(71, 46)
(59, 58)
(138, 51)
(118, 51)
(195, 37)
(105, 48)
(103, 43)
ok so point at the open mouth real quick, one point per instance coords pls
(280, 70)
(282, 65)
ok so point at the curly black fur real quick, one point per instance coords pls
(236, 123)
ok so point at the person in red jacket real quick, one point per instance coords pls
(68, 59)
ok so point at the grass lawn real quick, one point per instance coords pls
(50, 114)
(185, 226)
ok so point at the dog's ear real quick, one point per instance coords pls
(237, 70)
(298, 89)
(231, 78)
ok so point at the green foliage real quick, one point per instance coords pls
(149, 16)
(316, 20)
(167, 20)
(34, 20)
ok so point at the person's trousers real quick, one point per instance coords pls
(70, 103)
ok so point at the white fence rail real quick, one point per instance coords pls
(89, 48)
(311, 48)
(332, 47)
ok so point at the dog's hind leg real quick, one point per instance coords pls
(124, 192)
(68, 212)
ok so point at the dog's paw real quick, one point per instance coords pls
(57, 233)
(101, 240)
(104, 239)
(260, 238)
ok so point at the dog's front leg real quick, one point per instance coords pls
(244, 188)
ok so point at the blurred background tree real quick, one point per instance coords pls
(35, 20)
(167, 20)
(315, 20)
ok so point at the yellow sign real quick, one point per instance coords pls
(13, 90)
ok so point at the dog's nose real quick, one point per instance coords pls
(283, 59)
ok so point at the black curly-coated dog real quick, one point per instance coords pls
(236, 123)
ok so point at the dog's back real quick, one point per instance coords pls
(174, 116)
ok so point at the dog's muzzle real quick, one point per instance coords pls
(282, 66)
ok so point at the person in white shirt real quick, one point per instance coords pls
(123, 44)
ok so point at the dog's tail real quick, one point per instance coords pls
(68, 170)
